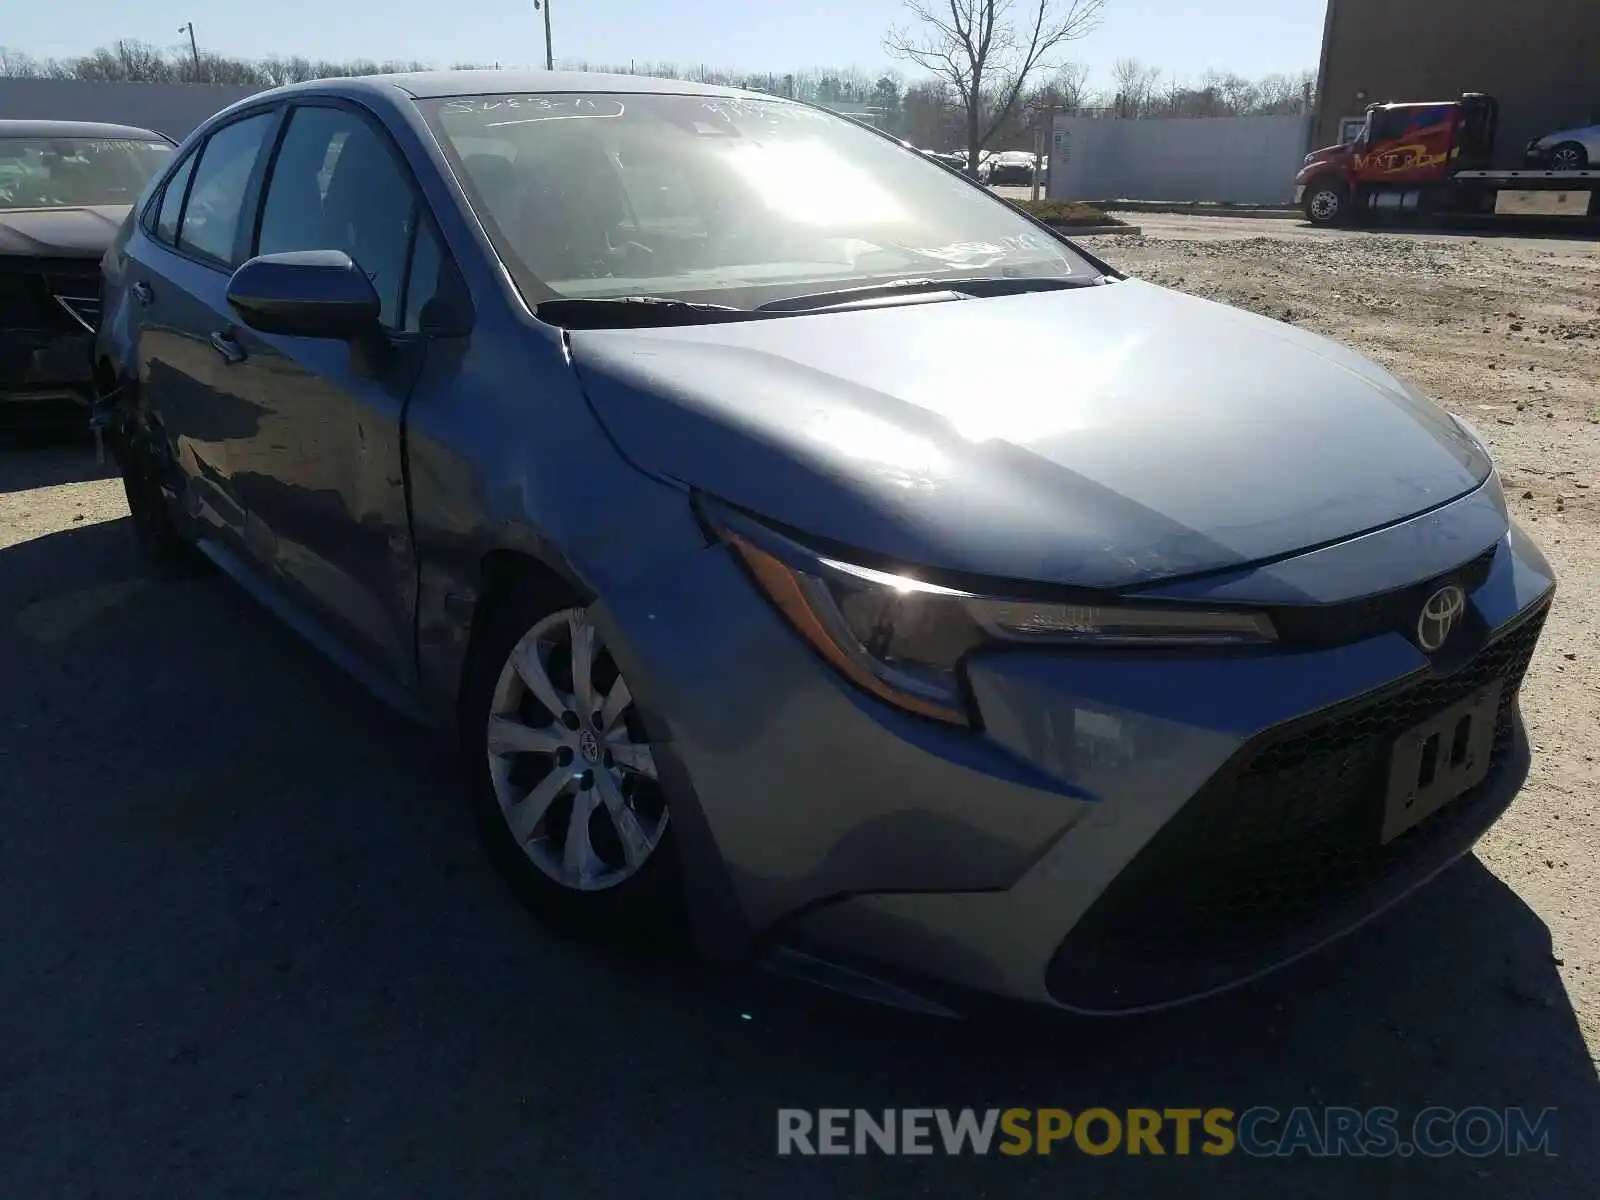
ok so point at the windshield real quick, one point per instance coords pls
(48, 172)
(721, 200)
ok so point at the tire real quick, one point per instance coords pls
(1325, 202)
(158, 540)
(518, 754)
(1569, 156)
(161, 540)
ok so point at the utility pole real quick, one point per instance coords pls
(194, 50)
(1039, 143)
(549, 58)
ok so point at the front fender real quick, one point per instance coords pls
(505, 458)
(1316, 173)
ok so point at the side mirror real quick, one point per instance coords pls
(305, 293)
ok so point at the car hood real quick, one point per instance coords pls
(60, 232)
(1160, 435)
(1328, 155)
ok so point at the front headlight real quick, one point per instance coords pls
(905, 639)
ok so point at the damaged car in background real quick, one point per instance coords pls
(65, 189)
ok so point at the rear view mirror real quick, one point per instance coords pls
(305, 293)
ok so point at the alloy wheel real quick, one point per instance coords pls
(1567, 158)
(571, 765)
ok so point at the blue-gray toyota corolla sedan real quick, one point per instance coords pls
(639, 433)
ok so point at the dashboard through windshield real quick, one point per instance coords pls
(719, 200)
(71, 172)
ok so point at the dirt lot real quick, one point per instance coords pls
(248, 946)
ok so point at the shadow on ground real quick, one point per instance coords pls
(249, 947)
(35, 462)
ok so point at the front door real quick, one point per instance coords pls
(1408, 143)
(323, 475)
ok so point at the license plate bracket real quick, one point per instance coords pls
(1437, 760)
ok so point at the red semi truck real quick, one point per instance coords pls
(1434, 158)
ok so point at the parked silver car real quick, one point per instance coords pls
(1566, 149)
(1014, 167)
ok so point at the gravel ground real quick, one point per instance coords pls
(248, 946)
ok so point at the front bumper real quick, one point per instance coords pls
(1128, 831)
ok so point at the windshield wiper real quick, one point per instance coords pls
(633, 312)
(639, 312)
(964, 287)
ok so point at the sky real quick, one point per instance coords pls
(1182, 37)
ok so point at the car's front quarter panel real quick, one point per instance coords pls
(808, 789)
(504, 457)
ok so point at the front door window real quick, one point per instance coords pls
(336, 186)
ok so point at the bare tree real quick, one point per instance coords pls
(986, 50)
(1279, 94)
(16, 65)
(1071, 83)
(1135, 84)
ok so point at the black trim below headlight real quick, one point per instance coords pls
(904, 639)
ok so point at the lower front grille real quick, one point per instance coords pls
(65, 300)
(1281, 849)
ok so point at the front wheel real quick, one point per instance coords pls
(562, 778)
(1569, 156)
(1325, 203)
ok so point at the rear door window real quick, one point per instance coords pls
(172, 202)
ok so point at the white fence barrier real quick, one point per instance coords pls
(1239, 160)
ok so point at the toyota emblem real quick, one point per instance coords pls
(1439, 617)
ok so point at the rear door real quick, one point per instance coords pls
(178, 264)
(322, 472)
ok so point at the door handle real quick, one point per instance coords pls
(222, 342)
(142, 293)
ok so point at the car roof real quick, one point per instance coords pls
(83, 129)
(428, 85)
